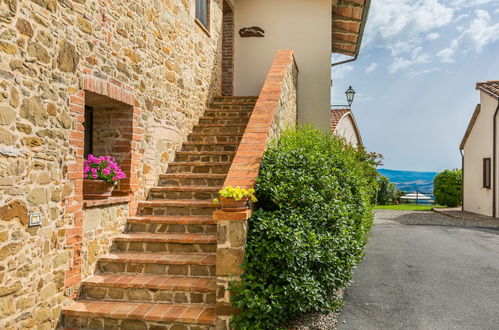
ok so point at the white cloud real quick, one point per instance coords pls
(480, 33)
(496, 11)
(433, 36)
(342, 70)
(371, 67)
(417, 57)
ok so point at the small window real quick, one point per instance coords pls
(89, 130)
(487, 181)
(203, 12)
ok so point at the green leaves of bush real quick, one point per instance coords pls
(448, 188)
(314, 214)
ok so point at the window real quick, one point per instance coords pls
(89, 128)
(487, 173)
(203, 12)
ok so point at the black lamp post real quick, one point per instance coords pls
(350, 93)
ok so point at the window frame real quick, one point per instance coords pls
(487, 173)
(88, 140)
(205, 27)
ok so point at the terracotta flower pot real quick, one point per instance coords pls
(97, 189)
(231, 205)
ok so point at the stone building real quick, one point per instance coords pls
(162, 86)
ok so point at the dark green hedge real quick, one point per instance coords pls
(448, 188)
(309, 230)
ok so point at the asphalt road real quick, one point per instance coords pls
(424, 277)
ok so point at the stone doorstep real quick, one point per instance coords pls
(162, 258)
(142, 311)
(172, 220)
(156, 282)
(178, 202)
(168, 238)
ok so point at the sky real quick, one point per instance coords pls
(415, 78)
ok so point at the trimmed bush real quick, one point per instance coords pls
(309, 231)
(448, 188)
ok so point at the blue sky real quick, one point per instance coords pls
(415, 78)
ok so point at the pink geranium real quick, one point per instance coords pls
(102, 168)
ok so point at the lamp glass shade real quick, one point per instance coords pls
(350, 93)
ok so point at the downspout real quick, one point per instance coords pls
(363, 23)
(462, 179)
(494, 152)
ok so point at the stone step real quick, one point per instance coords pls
(209, 146)
(172, 224)
(235, 99)
(165, 242)
(192, 179)
(215, 137)
(220, 128)
(159, 263)
(199, 167)
(176, 207)
(88, 314)
(224, 120)
(227, 114)
(196, 156)
(184, 192)
(150, 288)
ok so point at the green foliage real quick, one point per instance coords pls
(448, 188)
(237, 193)
(388, 193)
(314, 216)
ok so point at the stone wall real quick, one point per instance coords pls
(150, 48)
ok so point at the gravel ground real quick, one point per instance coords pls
(318, 321)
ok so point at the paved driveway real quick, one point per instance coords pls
(424, 277)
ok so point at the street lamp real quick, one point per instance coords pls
(350, 93)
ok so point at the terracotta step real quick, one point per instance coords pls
(227, 114)
(209, 146)
(160, 263)
(215, 137)
(150, 288)
(184, 192)
(165, 242)
(119, 315)
(159, 282)
(176, 207)
(172, 224)
(213, 156)
(194, 179)
(219, 128)
(224, 120)
(199, 167)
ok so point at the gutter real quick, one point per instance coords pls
(462, 179)
(363, 23)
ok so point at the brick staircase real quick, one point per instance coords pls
(160, 274)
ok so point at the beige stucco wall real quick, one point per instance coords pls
(346, 129)
(479, 146)
(303, 26)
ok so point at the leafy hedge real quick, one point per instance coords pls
(309, 230)
(388, 193)
(448, 188)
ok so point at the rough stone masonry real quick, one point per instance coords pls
(155, 51)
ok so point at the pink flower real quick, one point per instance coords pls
(86, 169)
(95, 176)
(106, 171)
(115, 178)
(93, 170)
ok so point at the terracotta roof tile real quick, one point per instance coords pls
(336, 116)
(490, 87)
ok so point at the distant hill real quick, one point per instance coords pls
(410, 181)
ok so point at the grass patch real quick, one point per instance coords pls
(407, 207)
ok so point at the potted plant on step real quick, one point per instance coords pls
(100, 175)
(235, 199)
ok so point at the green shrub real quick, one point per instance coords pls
(314, 215)
(448, 188)
(388, 193)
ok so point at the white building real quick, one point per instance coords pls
(480, 154)
(343, 124)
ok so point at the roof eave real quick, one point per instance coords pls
(360, 33)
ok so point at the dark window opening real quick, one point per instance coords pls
(89, 128)
(487, 169)
(202, 12)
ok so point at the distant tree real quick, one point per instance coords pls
(388, 193)
(448, 188)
